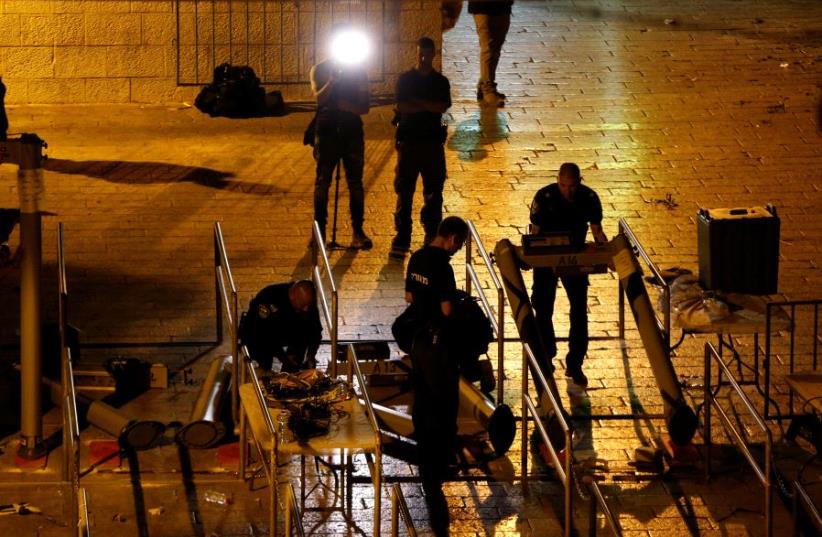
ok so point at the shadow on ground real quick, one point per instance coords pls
(138, 173)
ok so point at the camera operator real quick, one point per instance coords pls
(423, 95)
(342, 95)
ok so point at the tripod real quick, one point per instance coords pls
(334, 245)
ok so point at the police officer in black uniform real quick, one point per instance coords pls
(423, 95)
(566, 206)
(342, 95)
(430, 288)
(283, 322)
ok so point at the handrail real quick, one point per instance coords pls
(664, 325)
(801, 499)
(565, 474)
(354, 369)
(598, 499)
(292, 513)
(763, 474)
(71, 426)
(399, 509)
(331, 314)
(83, 524)
(498, 323)
(227, 303)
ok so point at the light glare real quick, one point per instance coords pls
(350, 47)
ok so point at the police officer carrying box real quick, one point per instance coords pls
(566, 206)
(430, 288)
(423, 95)
(283, 322)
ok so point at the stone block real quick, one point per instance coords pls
(52, 90)
(17, 90)
(29, 6)
(113, 29)
(29, 62)
(414, 24)
(9, 30)
(158, 29)
(151, 6)
(107, 90)
(158, 90)
(145, 61)
(79, 62)
(94, 6)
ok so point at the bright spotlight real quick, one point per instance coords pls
(350, 47)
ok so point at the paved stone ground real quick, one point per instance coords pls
(665, 108)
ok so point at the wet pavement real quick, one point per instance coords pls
(665, 108)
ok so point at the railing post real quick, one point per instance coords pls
(395, 515)
(706, 408)
(524, 435)
(592, 517)
(500, 346)
(468, 241)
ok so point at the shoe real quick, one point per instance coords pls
(360, 241)
(479, 95)
(311, 240)
(400, 244)
(493, 100)
(577, 376)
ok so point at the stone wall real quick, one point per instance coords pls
(117, 51)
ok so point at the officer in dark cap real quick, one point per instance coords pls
(283, 322)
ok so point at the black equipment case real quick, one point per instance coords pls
(739, 249)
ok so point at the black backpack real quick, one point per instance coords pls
(236, 92)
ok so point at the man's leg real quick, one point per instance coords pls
(497, 31)
(354, 162)
(432, 165)
(576, 287)
(327, 156)
(483, 33)
(543, 295)
(405, 183)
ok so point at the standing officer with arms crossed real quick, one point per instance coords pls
(566, 206)
(423, 95)
(342, 95)
(430, 288)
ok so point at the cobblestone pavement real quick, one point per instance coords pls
(665, 108)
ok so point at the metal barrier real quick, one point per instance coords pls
(597, 499)
(71, 426)
(771, 309)
(330, 313)
(498, 322)
(763, 473)
(399, 509)
(663, 324)
(802, 501)
(563, 469)
(84, 524)
(227, 305)
(269, 464)
(293, 517)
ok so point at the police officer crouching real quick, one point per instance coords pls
(430, 288)
(283, 322)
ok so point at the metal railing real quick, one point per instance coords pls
(375, 468)
(802, 501)
(269, 464)
(329, 312)
(399, 510)
(663, 324)
(498, 322)
(293, 517)
(763, 473)
(562, 468)
(598, 500)
(227, 305)
(84, 524)
(771, 310)
(71, 425)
